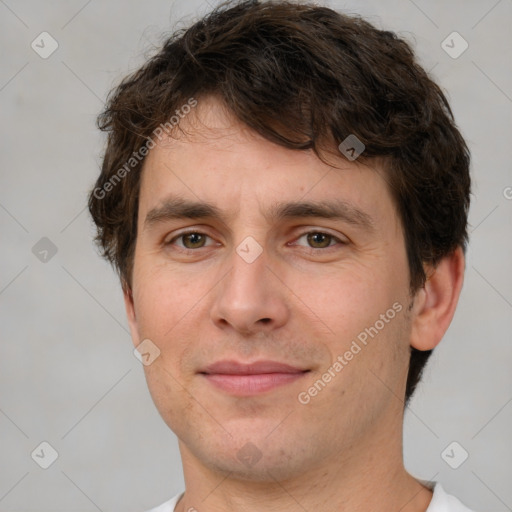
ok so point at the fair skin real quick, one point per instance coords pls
(302, 302)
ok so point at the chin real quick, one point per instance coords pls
(256, 461)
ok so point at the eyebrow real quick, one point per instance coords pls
(179, 208)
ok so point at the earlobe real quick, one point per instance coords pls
(130, 313)
(435, 303)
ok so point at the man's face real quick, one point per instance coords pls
(269, 283)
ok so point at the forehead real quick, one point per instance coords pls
(214, 159)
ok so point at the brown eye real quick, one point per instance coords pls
(193, 240)
(319, 240)
(190, 240)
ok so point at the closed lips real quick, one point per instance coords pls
(261, 367)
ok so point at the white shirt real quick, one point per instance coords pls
(441, 502)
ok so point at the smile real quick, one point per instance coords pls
(251, 379)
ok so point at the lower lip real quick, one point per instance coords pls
(246, 385)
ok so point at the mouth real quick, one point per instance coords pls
(241, 379)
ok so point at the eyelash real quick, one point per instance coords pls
(313, 249)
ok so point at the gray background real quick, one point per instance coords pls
(67, 372)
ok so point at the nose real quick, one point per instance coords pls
(251, 299)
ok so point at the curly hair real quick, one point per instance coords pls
(304, 77)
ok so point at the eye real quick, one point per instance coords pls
(316, 240)
(191, 240)
(320, 240)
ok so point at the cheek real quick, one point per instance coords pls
(361, 316)
(171, 311)
(346, 300)
(165, 307)
(163, 299)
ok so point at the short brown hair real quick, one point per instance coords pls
(304, 77)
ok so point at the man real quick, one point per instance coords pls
(285, 195)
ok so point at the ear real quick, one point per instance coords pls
(434, 305)
(130, 313)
